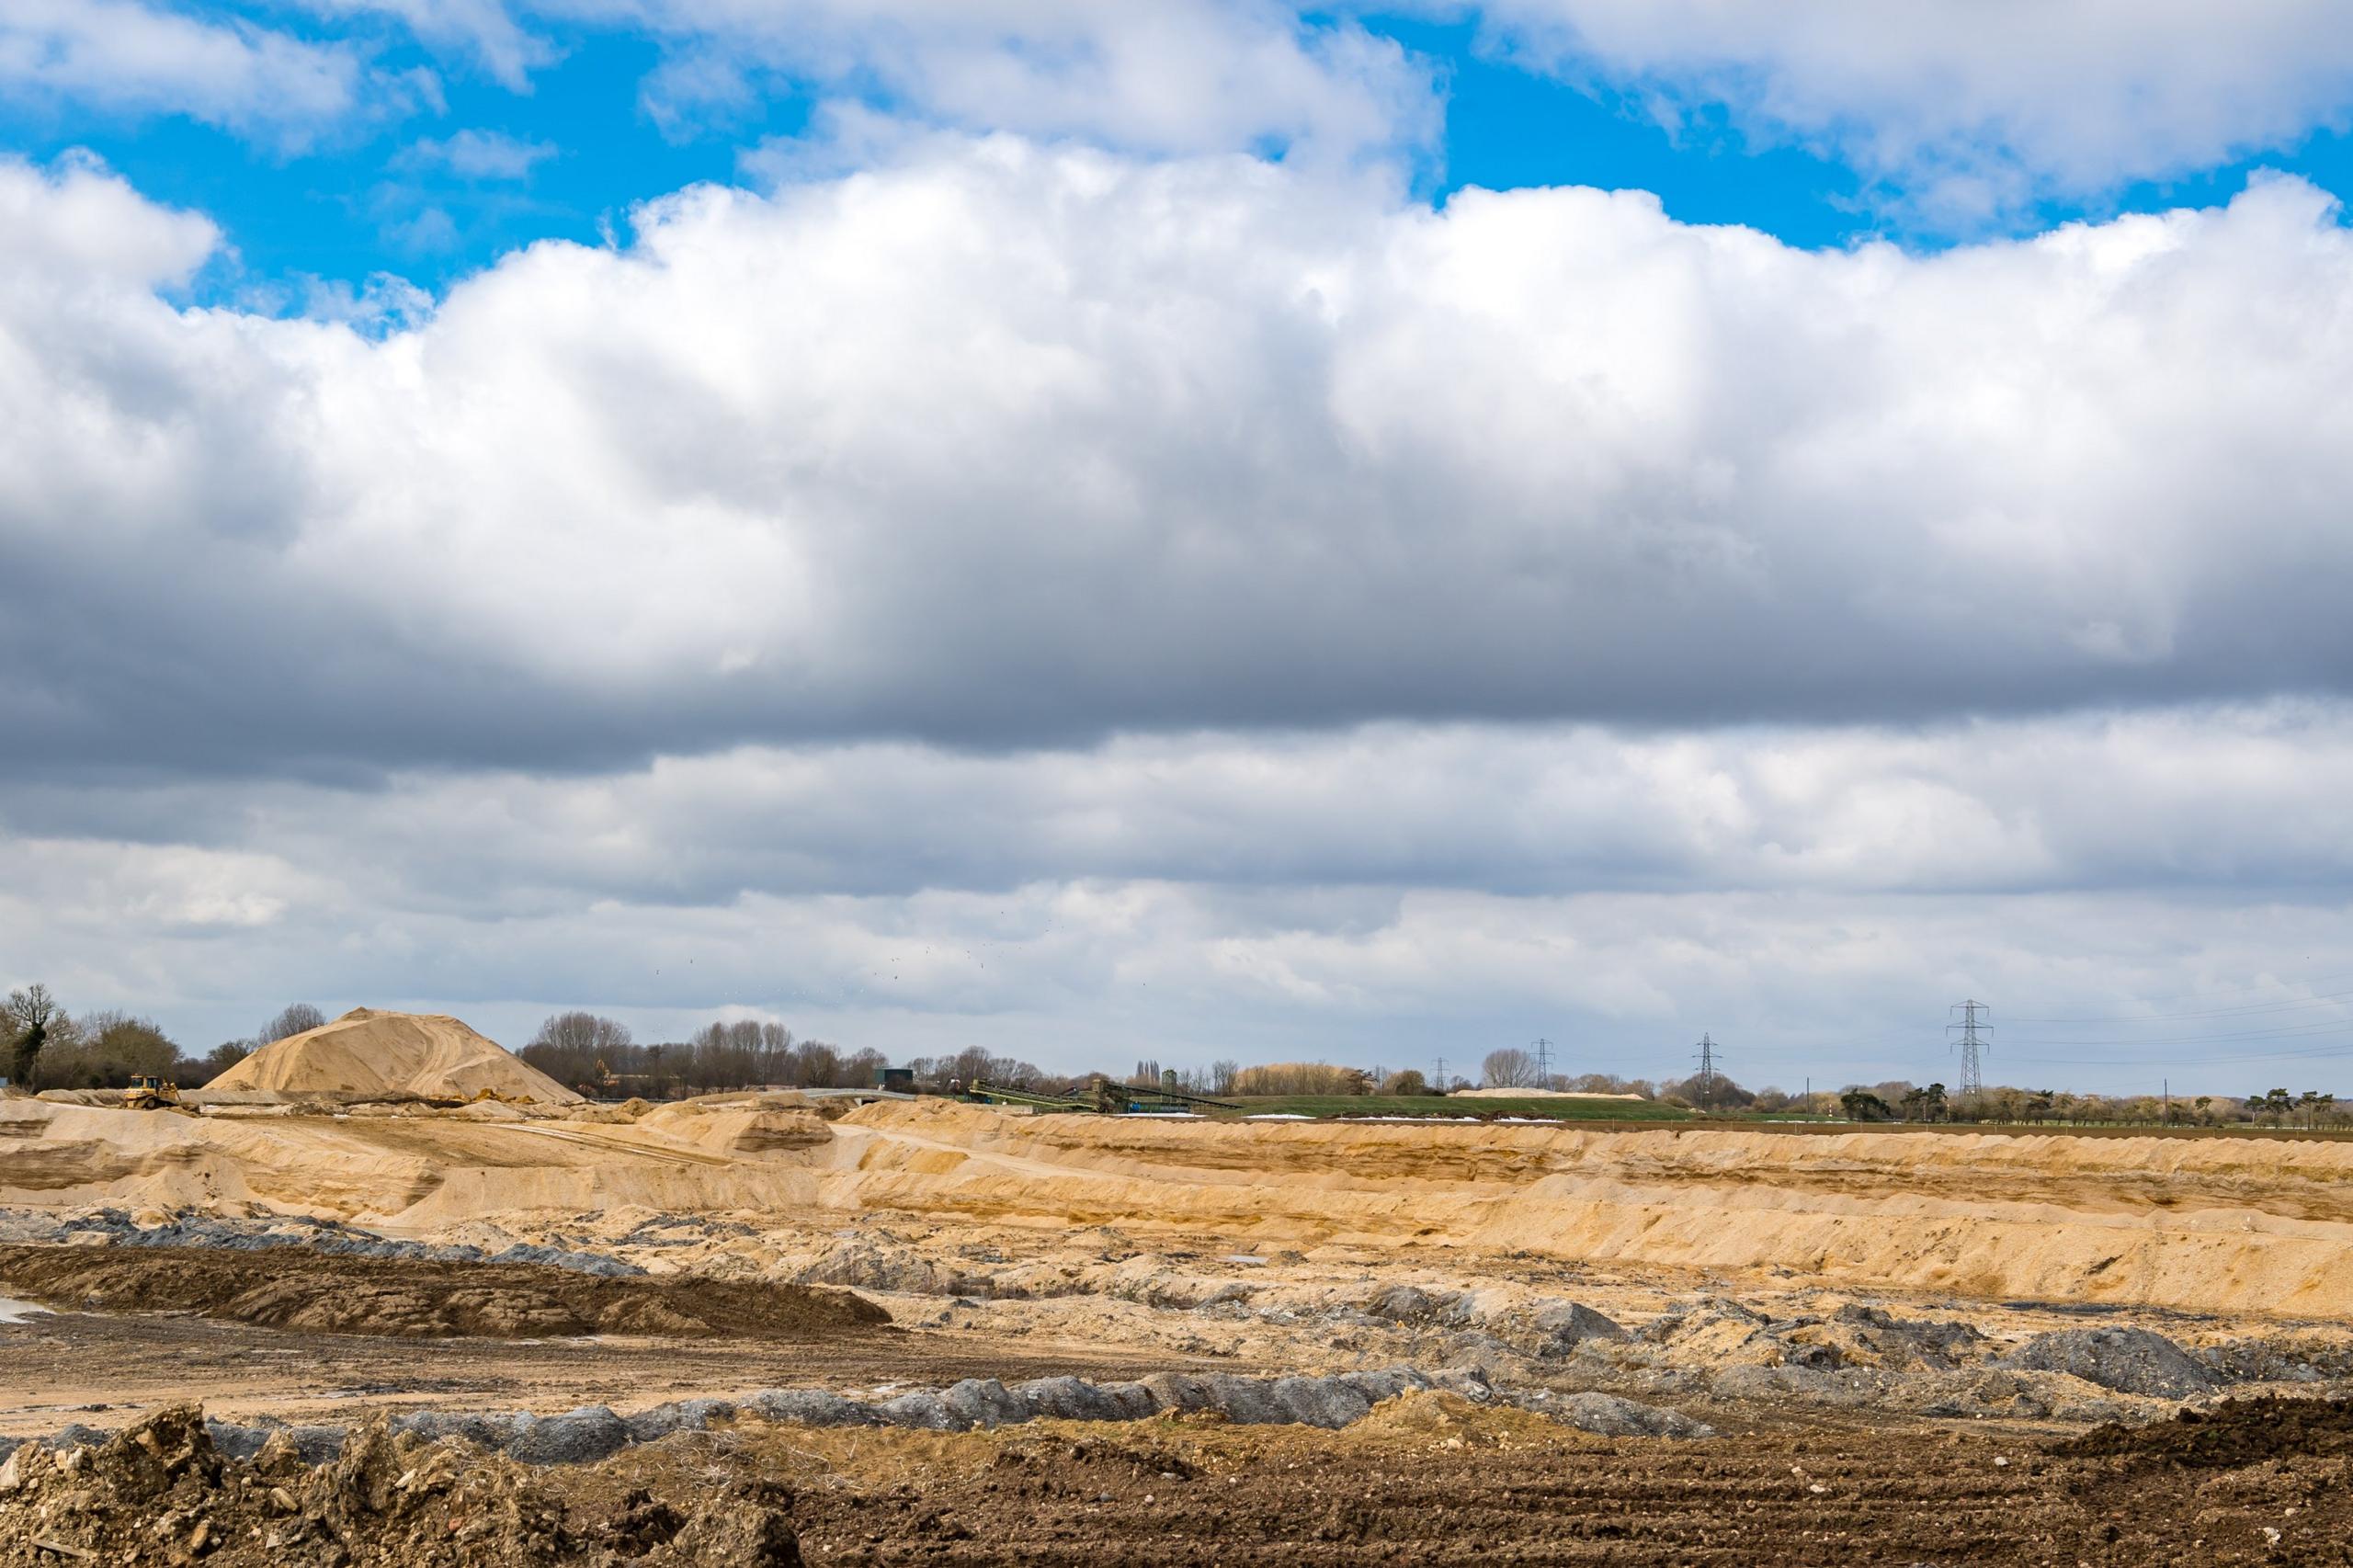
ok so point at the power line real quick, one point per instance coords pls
(2319, 1026)
(2331, 999)
(1972, 1076)
(2341, 978)
(2335, 1051)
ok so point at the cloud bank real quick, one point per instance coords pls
(1006, 446)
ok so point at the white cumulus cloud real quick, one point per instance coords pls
(1971, 106)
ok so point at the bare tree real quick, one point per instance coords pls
(300, 1018)
(570, 1046)
(31, 1016)
(1510, 1068)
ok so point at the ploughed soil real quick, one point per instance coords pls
(293, 1288)
(1426, 1479)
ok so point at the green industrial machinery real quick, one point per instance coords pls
(1102, 1097)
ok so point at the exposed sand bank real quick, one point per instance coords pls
(2220, 1225)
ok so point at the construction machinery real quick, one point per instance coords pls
(148, 1092)
(1102, 1096)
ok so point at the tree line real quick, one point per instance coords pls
(600, 1056)
(49, 1048)
(44, 1047)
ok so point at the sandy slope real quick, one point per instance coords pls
(2224, 1225)
(368, 1053)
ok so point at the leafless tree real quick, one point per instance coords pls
(297, 1019)
(1510, 1068)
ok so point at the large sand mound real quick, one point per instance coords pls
(367, 1054)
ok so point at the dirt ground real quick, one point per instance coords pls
(1428, 1478)
(1434, 1480)
(304, 1290)
(102, 1369)
(1989, 1348)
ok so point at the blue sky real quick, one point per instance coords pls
(1065, 538)
(353, 200)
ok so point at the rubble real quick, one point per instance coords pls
(163, 1492)
(2129, 1360)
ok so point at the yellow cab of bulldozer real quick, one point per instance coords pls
(148, 1092)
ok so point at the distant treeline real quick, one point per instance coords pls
(598, 1055)
(48, 1048)
(44, 1047)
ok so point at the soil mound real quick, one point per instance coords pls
(298, 1288)
(367, 1054)
(161, 1493)
(2233, 1433)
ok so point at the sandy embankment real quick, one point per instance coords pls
(2221, 1225)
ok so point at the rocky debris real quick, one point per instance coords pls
(577, 1436)
(1607, 1416)
(679, 1415)
(810, 1407)
(1412, 1304)
(489, 1431)
(683, 1230)
(329, 1236)
(161, 1491)
(1717, 1332)
(1564, 1325)
(595, 1432)
(2129, 1360)
(2305, 1358)
(882, 1262)
(312, 1444)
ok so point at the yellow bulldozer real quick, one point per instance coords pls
(147, 1092)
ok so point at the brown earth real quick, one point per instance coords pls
(105, 1368)
(298, 1288)
(1427, 1479)
(160, 1493)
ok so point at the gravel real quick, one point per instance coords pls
(2129, 1360)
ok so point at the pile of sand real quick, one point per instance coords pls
(367, 1054)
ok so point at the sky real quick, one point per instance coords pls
(1191, 529)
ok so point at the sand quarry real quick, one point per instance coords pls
(935, 1332)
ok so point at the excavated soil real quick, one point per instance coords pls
(161, 1493)
(289, 1287)
(1426, 1479)
(2232, 1435)
(1907, 1342)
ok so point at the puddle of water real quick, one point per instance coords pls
(14, 1310)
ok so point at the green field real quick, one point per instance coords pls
(1551, 1108)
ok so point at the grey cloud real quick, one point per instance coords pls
(1006, 447)
(2248, 800)
(1816, 895)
